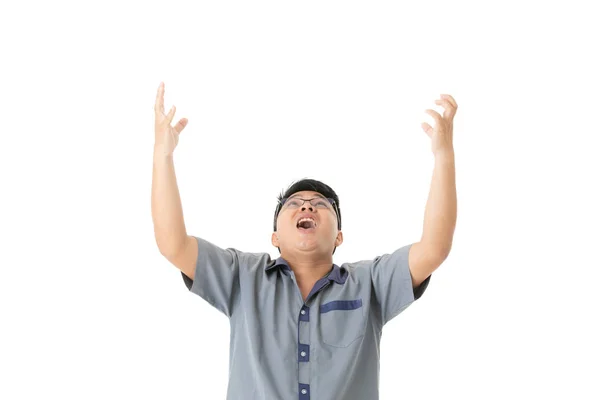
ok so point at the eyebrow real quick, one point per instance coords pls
(316, 195)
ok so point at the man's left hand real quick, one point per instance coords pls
(441, 134)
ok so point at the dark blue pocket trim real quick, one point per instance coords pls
(341, 305)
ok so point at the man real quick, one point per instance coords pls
(303, 327)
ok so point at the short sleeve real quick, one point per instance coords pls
(216, 279)
(392, 283)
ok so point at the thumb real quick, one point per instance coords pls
(427, 128)
(180, 125)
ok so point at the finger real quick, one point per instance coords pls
(159, 105)
(448, 107)
(427, 128)
(436, 116)
(170, 115)
(450, 99)
(180, 125)
(444, 103)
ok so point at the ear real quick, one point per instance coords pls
(275, 239)
(339, 239)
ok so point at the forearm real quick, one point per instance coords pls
(440, 212)
(167, 213)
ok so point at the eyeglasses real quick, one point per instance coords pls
(318, 202)
(324, 203)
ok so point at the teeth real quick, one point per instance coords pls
(307, 219)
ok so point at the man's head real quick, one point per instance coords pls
(309, 199)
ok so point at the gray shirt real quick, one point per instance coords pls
(282, 347)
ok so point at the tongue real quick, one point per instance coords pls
(306, 229)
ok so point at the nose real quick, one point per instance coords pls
(310, 206)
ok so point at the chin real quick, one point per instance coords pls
(307, 245)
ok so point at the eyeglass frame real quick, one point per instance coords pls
(332, 201)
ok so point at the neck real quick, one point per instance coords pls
(309, 268)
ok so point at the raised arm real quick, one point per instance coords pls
(167, 215)
(440, 213)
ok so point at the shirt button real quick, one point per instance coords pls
(303, 353)
(302, 312)
(303, 391)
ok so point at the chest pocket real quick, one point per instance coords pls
(342, 322)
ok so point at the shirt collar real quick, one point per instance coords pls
(337, 274)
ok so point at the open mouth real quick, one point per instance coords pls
(306, 224)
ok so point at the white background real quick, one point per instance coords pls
(274, 92)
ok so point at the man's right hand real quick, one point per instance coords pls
(166, 136)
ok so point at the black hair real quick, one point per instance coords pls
(309, 185)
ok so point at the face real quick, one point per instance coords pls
(321, 238)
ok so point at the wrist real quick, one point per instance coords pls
(161, 152)
(444, 154)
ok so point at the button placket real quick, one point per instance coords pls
(304, 314)
(304, 392)
(303, 352)
(304, 349)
